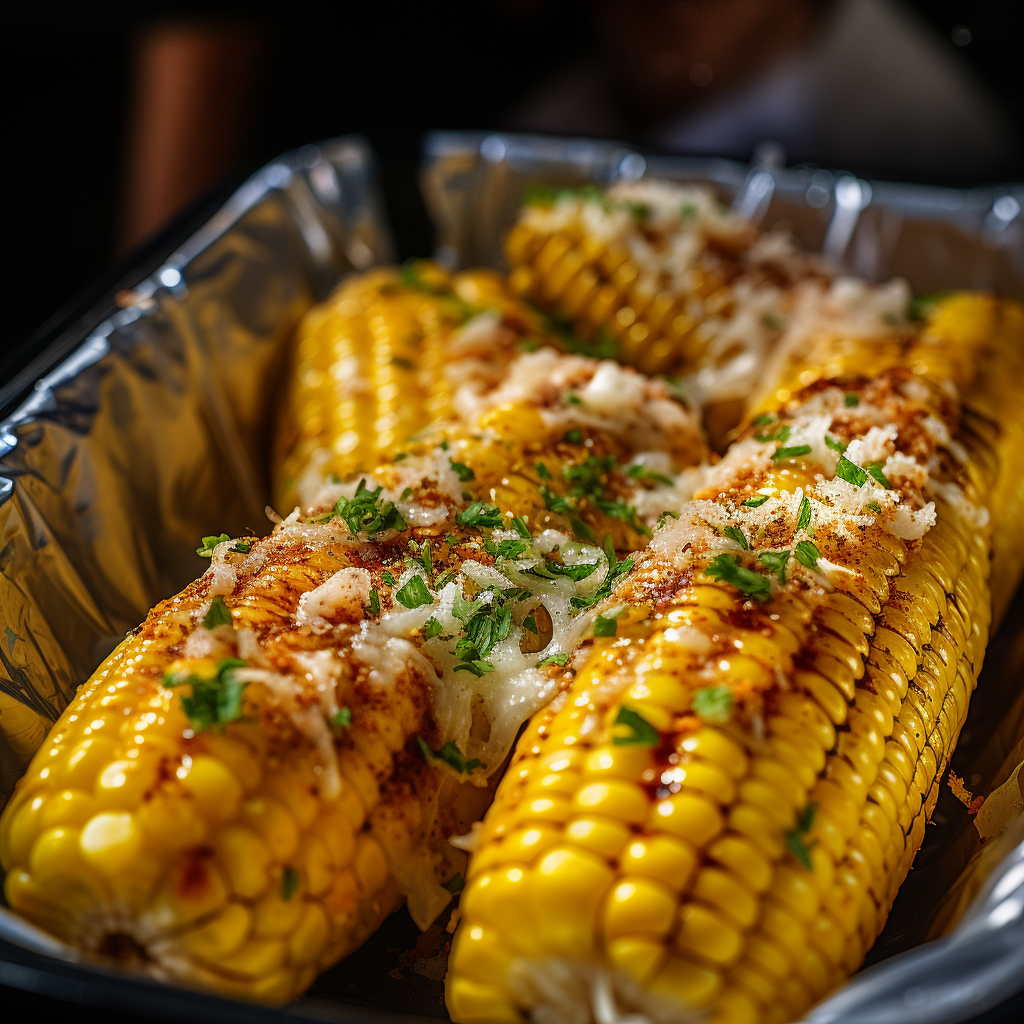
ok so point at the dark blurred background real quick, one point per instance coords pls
(122, 115)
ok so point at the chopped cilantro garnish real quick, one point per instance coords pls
(644, 475)
(520, 527)
(243, 547)
(835, 444)
(478, 667)
(791, 453)
(573, 399)
(763, 420)
(756, 502)
(530, 623)
(543, 472)
(606, 624)
(803, 518)
(366, 512)
(481, 516)
(506, 548)
(807, 554)
(641, 211)
(432, 628)
(218, 615)
(780, 434)
(414, 594)
(215, 700)
(289, 884)
(462, 471)
(549, 570)
(875, 470)
(341, 719)
(573, 437)
(775, 562)
(399, 456)
(736, 534)
(873, 506)
(642, 732)
(455, 884)
(556, 503)
(209, 543)
(443, 446)
(374, 602)
(850, 400)
(796, 837)
(554, 659)
(406, 494)
(388, 578)
(451, 755)
(713, 704)
(687, 210)
(728, 569)
(851, 472)
(772, 322)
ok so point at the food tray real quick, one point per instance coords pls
(135, 433)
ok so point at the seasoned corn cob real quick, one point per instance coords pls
(713, 820)
(274, 761)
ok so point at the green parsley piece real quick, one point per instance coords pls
(803, 518)
(406, 494)
(477, 667)
(462, 471)
(775, 562)
(756, 501)
(875, 470)
(218, 615)
(432, 628)
(243, 547)
(713, 704)
(530, 623)
(780, 434)
(214, 701)
(641, 211)
(772, 322)
(606, 624)
(573, 437)
(873, 506)
(507, 548)
(520, 527)
(736, 534)
(543, 472)
(851, 472)
(374, 602)
(388, 578)
(791, 453)
(749, 583)
(481, 516)
(850, 400)
(687, 211)
(414, 594)
(763, 420)
(796, 838)
(341, 719)
(451, 755)
(835, 444)
(366, 512)
(443, 446)
(455, 884)
(807, 554)
(642, 732)
(572, 399)
(289, 884)
(645, 475)
(209, 543)
(554, 659)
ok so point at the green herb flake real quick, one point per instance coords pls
(455, 884)
(432, 628)
(443, 446)
(803, 519)
(543, 472)
(462, 471)
(755, 502)
(794, 452)
(451, 755)
(218, 615)
(403, 364)
(481, 516)
(779, 433)
(289, 884)
(606, 624)
(554, 659)
(520, 527)
(209, 543)
(642, 733)
(796, 838)
(763, 420)
(341, 719)
(216, 700)
(727, 569)
(850, 472)
(687, 211)
(850, 400)
(530, 623)
(736, 534)
(713, 704)
(509, 549)
(388, 578)
(414, 594)
(645, 475)
(775, 562)
(243, 547)
(374, 602)
(875, 470)
(807, 554)
(572, 399)
(835, 444)
(873, 506)
(366, 512)
(573, 437)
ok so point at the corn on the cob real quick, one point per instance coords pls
(345, 680)
(713, 820)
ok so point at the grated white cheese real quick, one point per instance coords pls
(346, 593)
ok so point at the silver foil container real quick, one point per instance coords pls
(130, 438)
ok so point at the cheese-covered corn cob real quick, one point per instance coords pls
(713, 820)
(275, 759)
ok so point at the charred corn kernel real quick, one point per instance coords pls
(784, 821)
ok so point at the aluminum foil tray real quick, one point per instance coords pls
(136, 433)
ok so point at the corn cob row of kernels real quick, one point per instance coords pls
(718, 813)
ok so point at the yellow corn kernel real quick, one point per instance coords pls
(221, 936)
(691, 817)
(576, 881)
(215, 789)
(705, 933)
(664, 857)
(606, 836)
(615, 798)
(110, 841)
(245, 859)
(638, 905)
(638, 956)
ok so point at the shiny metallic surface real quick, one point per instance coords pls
(153, 428)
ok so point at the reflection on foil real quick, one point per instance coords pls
(153, 428)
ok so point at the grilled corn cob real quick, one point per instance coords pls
(712, 821)
(272, 763)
